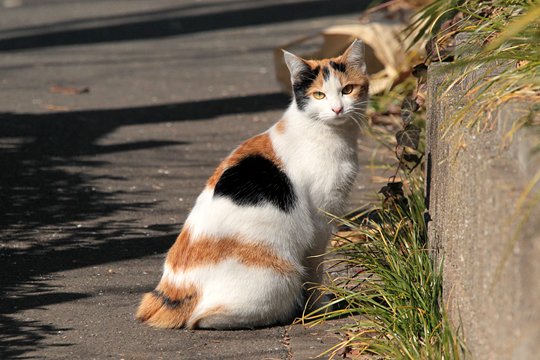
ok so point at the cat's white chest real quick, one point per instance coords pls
(329, 180)
(323, 168)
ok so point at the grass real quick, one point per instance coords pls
(394, 288)
(499, 44)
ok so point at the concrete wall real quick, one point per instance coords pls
(491, 263)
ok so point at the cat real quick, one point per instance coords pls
(258, 230)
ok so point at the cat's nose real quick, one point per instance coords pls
(337, 110)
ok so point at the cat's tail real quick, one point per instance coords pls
(168, 306)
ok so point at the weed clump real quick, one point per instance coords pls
(393, 288)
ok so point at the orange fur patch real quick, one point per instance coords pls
(179, 248)
(257, 145)
(280, 126)
(150, 304)
(207, 251)
(169, 306)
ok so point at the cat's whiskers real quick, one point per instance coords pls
(358, 121)
(357, 113)
(353, 118)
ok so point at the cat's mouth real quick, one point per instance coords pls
(338, 119)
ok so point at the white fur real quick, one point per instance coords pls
(318, 151)
(244, 292)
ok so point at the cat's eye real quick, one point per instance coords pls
(347, 90)
(318, 95)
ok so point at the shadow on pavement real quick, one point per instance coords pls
(130, 16)
(38, 195)
(20, 336)
(36, 190)
(169, 25)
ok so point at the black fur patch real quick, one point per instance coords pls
(255, 180)
(168, 302)
(326, 73)
(338, 66)
(302, 83)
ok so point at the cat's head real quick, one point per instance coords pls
(330, 90)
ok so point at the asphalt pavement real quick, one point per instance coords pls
(112, 116)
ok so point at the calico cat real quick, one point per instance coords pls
(256, 234)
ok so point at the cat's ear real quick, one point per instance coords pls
(296, 65)
(354, 56)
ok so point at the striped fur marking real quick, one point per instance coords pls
(256, 180)
(167, 301)
(186, 254)
(168, 306)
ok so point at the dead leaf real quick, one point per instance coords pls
(347, 237)
(384, 180)
(68, 90)
(56, 107)
(420, 97)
